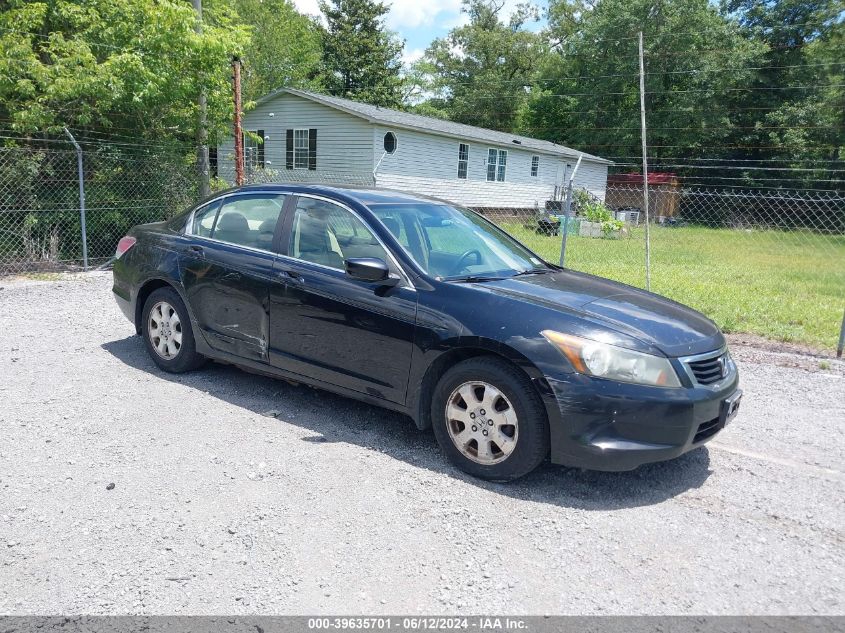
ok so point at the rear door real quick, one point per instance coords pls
(227, 269)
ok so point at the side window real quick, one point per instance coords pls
(249, 220)
(327, 234)
(204, 219)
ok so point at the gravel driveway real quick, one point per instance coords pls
(235, 493)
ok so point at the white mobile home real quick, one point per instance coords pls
(312, 137)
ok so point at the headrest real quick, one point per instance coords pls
(232, 222)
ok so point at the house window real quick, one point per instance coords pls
(390, 142)
(497, 162)
(301, 149)
(254, 149)
(463, 160)
(535, 166)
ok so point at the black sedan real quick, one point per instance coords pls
(425, 308)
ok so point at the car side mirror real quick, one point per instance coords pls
(371, 270)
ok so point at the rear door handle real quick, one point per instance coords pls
(195, 249)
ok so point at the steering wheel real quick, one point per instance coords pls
(461, 263)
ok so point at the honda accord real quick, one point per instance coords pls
(429, 309)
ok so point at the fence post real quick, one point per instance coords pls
(841, 346)
(645, 169)
(81, 175)
(567, 207)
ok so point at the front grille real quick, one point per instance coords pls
(709, 370)
(706, 430)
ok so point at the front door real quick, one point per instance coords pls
(227, 269)
(328, 326)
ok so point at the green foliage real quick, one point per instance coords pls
(479, 72)
(285, 48)
(122, 65)
(361, 59)
(596, 65)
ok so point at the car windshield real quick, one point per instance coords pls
(450, 243)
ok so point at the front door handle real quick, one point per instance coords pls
(291, 275)
(231, 277)
(195, 249)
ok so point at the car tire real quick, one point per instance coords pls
(168, 335)
(515, 403)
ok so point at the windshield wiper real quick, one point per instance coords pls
(534, 271)
(473, 279)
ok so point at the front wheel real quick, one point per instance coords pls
(489, 420)
(167, 332)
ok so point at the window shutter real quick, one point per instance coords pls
(289, 150)
(260, 149)
(312, 149)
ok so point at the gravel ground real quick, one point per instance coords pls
(235, 493)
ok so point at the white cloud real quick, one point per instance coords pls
(416, 13)
(410, 56)
(309, 7)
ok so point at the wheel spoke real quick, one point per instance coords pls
(161, 346)
(484, 451)
(177, 337)
(506, 444)
(454, 412)
(491, 395)
(468, 394)
(172, 348)
(463, 438)
(174, 320)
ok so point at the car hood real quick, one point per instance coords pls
(672, 328)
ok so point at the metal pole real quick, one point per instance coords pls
(239, 136)
(567, 206)
(81, 175)
(841, 346)
(202, 124)
(645, 169)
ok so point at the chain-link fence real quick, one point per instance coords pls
(768, 262)
(40, 211)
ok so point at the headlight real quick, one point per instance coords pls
(613, 363)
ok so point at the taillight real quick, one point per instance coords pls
(124, 245)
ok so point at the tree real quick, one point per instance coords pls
(130, 66)
(481, 73)
(795, 113)
(361, 59)
(695, 62)
(285, 48)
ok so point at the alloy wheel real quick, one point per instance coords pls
(482, 422)
(165, 330)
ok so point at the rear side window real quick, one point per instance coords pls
(249, 220)
(204, 217)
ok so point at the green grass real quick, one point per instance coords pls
(786, 286)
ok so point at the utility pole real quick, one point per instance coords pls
(645, 169)
(202, 124)
(239, 136)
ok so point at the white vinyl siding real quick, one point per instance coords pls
(344, 141)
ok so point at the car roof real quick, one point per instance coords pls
(364, 195)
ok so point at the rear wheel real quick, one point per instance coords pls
(167, 332)
(488, 419)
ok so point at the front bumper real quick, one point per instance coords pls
(606, 425)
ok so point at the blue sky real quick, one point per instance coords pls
(417, 21)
